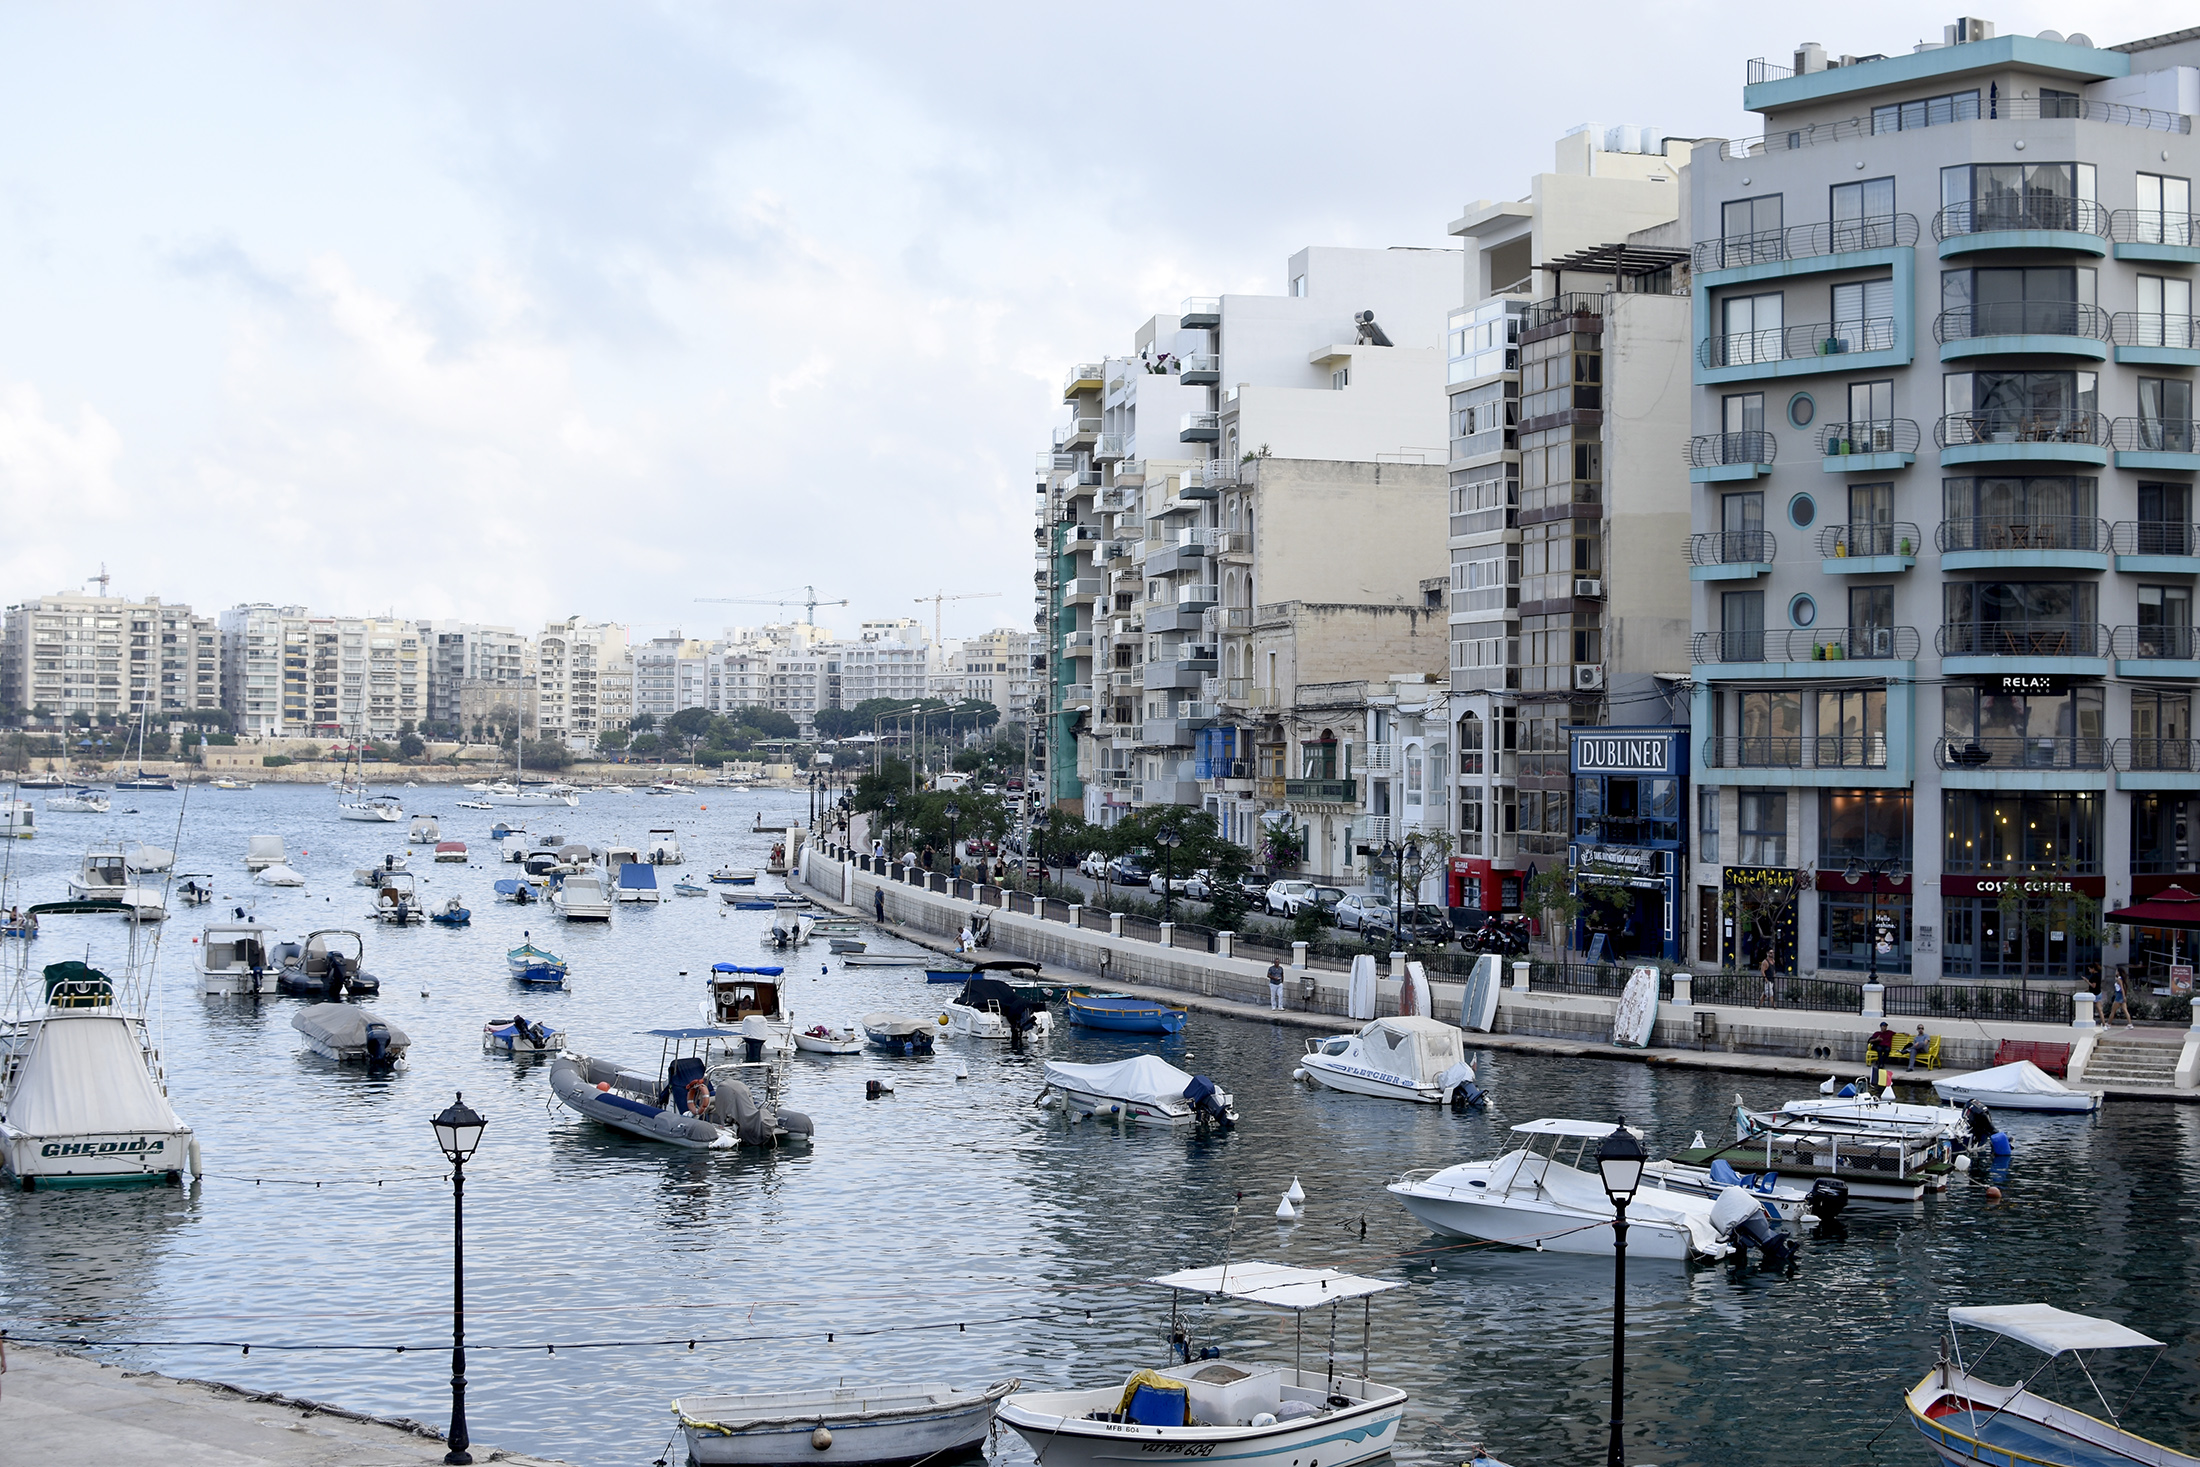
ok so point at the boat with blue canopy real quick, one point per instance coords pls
(519, 893)
(1124, 1014)
(637, 882)
(536, 967)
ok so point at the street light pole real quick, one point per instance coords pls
(1167, 839)
(954, 867)
(458, 1131)
(1619, 1165)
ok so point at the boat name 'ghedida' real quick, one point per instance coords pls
(100, 1148)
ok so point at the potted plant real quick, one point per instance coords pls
(1905, 545)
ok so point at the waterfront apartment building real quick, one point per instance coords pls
(108, 658)
(265, 679)
(368, 677)
(670, 673)
(571, 657)
(460, 652)
(992, 668)
(1569, 398)
(1944, 460)
(888, 659)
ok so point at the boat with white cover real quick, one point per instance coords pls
(581, 898)
(148, 859)
(862, 1426)
(236, 957)
(663, 848)
(1972, 1422)
(1249, 1413)
(351, 1035)
(18, 820)
(1412, 1059)
(638, 882)
(279, 875)
(263, 851)
(1541, 1195)
(2019, 1086)
(1144, 1087)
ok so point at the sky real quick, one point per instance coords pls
(508, 312)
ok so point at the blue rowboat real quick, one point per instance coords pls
(1124, 1014)
(536, 967)
(755, 907)
(948, 975)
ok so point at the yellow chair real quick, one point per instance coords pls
(1928, 1059)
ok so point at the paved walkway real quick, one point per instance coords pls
(57, 1407)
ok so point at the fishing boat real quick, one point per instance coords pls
(396, 901)
(536, 967)
(884, 960)
(1123, 1014)
(1408, 1058)
(82, 1088)
(988, 1008)
(351, 1035)
(263, 851)
(516, 1038)
(108, 876)
(329, 963)
(581, 898)
(1972, 1422)
(858, 1426)
(820, 1039)
(78, 802)
(734, 876)
(519, 892)
(236, 958)
(688, 1102)
(1249, 1412)
(637, 882)
(425, 830)
(453, 913)
(899, 1033)
(451, 852)
(2018, 1086)
(689, 889)
(1542, 1195)
(279, 875)
(372, 875)
(663, 848)
(1144, 1087)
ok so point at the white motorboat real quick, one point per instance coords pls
(2019, 1086)
(734, 876)
(989, 1008)
(884, 960)
(516, 1038)
(18, 821)
(617, 854)
(868, 1426)
(279, 875)
(688, 1102)
(1858, 1109)
(397, 900)
(81, 1084)
(1538, 1195)
(1245, 1412)
(1413, 1059)
(372, 875)
(108, 876)
(225, 782)
(581, 898)
(517, 794)
(1972, 1422)
(790, 929)
(263, 851)
(1144, 1087)
(822, 1039)
(1824, 1199)
(744, 1003)
(236, 957)
(351, 1035)
(425, 830)
(78, 802)
(663, 848)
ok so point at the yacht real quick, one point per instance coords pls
(108, 876)
(356, 804)
(1406, 1058)
(581, 898)
(78, 802)
(17, 819)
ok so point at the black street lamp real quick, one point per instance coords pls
(1883, 866)
(1168, 838)
(954, 863)
(893, 803)
(1619, 1163)
(458, 1131)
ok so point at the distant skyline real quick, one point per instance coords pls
(508, 312)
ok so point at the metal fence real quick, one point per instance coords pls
(1021, 901)
(1979, 1001)
(1093, 919)
(1605, 979)
(1145, 929)
(1051, 910)
(1749, 990)
(1190, 935)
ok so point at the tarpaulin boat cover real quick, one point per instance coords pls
(1143, 1077)
(2021, 1078)
(344, 1025)
(1415, 1049)
(635, 876)
(85, 1075)
(265, 848)
(1360, 991)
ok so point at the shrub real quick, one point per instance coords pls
(275, 761)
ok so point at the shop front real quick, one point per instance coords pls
(1757, 911)
(2021, 928)
(1864, 922)
(1481, 885)
(1628, 852)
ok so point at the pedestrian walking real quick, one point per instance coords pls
(2118, 994)
(1275, 985)
(1764, 969)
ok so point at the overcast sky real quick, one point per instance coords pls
(511, 311)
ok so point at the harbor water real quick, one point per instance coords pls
(951, 1230)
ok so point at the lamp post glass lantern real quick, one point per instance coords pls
(458, 1132)
(1619, 1165)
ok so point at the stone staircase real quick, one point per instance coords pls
(2121, 1060)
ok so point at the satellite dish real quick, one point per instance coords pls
(2080, 38)
(2055, 36)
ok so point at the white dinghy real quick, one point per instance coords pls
(867, 1426)
(1412, 1059)
(237, 957)
(351, 1035)
(1144, 1087)
(2019, 1086)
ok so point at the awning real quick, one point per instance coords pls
(2172, 906)
(2050, 1330)
(1275, 1284)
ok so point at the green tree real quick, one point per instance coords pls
(613, 740)
(689, 725)
(642, 746)
(641, 723)
(411, 745)
(548, 754)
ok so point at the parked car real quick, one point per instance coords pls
(1015, 783)
(1360, 912)
(1199, 886)
(1095, 865)
(1034, 869)
(1325, 899)
(1127, 871)
(1180, 884)
(989, 789)
(1284, 898)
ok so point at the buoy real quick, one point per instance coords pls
(1297, 1193)
(1283, 1209)
(1993, 1194)
(962, 1071)
(1963, 1163)
(821, 1438)
(1298, 1074)
(1697, 1144)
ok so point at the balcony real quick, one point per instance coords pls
(1322, 791)
(2156, 443)
(1801, 248)
(1171, 559)
(2155, 651)
(2002, 542)
(1994, 436)
(1165, 733)
(1107, 448)
(1829, 752)
(1228, 619)
(1575, 311)
(2168, 547)
(1078, 433)
(1802, 652)
(1077, 695)
(1195, 656)
(1786, 351)
(1869, 549)
(1157, 676)
(2077, 648)
(1084, 588)
(2156, 764)
(1084, 377)
(1199, 368)
(1215, 474)
(2022, 222)
(1077, 644)
(1200, 428)
(1197, 598)
(1380, 758)
(1715, 457)
(2000, 754)
(2151, 338)
(2022, 328)
(1200, 313)
(1868, 445)
(2150, 234)
(1730, 555)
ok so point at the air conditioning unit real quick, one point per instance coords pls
(1588, 586)
(1588, 679)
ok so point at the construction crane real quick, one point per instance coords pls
(103, 578)
(939, 596)
(807, 601)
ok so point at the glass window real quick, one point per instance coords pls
(1871, 521)
(2165, 414)
(1750, 230)
(2161, 729)
(1750, 329)
(1845, 931)
(2162, 830)
(1863, 316)
(1863, 215)
(1925, 112)
(1863, 825)
(1707, 823)
(2021, 407)
(1852, 728)
(1772, 728)
(2164, 215)
(2025, 730)
(2164, 317)
(1742, 412)
(1742, 626)
(2020, 512)
(1763, 828)
(1870, 427)
(1976, 197)
(2035, 833)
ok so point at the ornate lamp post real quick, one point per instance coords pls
(458, 1131)
(1619, 1164)
(954, 862)
(1857, 870)
(893, 803)
(1168, 838)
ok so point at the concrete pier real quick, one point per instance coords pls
(57, 1407)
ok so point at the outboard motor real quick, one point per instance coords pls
(1207, 1106)
(795, 1123)
(1459, 1087)
(338, 978)
(1827, 1198)
(379, 1059)
(1740, 1219)
(1980, 1120)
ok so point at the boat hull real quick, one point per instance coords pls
(953, 1424)
(1154, 1019)
(90, 1159)
(817, 1044)
(1325, 1071)
(1975, 1423)
(1053, 1423)
(2077, 1102)
(569, 1083)
(1519, 1222)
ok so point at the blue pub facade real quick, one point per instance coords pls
(1631, 834)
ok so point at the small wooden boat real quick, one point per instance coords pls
(898, 1033)
(734, 876)
(872, 1426)
(845, 945)
(818, 1039)
(516, 1038)
(1124, 1014)
(536, 967)
(742, 901)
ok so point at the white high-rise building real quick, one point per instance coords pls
(571, 658)
(460, 652)
(109, 657)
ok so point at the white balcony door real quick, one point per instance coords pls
(1863, 315)
(1752, 329)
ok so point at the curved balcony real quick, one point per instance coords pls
(2019, 542)
(1995, 435)
(1730, 555)
(2150, 234)
(1829, 752)
(1869, 549)
(2156, 443)
(2079, 647)
(1805, 244)
(2028, 328)
(1717, 456)
(2007, 752)
(2022, 222)
(1776, 345)
(1868, 444)
(2163, 756)
(1798, 645)
(2155, 651)
(2169, 546)
(2151, 338)
(1084, 377)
